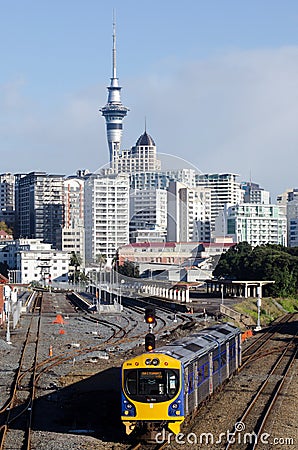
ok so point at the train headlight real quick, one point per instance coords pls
(148, 362)
(175, 405)
(128, 406)
(155, 362)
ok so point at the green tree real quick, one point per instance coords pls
(75, 261)
(265, 262)
(128, 269)
(101, 260)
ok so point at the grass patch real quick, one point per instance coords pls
(271, 309)
(289, 304)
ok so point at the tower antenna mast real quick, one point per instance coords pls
(114, 111)
(114, 73)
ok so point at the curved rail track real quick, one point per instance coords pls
(255, 415)
(18, 409)
(253, 351)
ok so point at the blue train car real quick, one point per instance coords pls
(162, 388)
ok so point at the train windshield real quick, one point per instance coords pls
(151, 385)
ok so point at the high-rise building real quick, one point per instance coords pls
(7, 199)
(141, 157)
(39, 206)
(253, 223)
(224, 190)
(7, 181)
(253, 193)
(106, 215)
(161, 180)
(189, 211)
(148, 211)
(289, 201)
(72, 232)
(114, 112)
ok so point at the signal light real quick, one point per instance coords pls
(149, 342)
(150, 315)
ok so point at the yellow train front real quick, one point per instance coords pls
(152, 393)
(163, 387)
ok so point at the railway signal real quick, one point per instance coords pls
(150, 315)
(149, 342)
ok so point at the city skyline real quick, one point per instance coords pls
(234, 66)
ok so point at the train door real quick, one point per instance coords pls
(191, 392)
(228, 358)
(239, 349)
(210, 357)
(196, 384)
(186, 398)
(203, 378)
(236, 352)
(232, 355)
(216, 367)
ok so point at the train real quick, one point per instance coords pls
(162, 388)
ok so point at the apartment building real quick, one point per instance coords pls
(106, 215)
(148, 211)
(253, 223)
(224, 190)
(189, 213)
(39, 206)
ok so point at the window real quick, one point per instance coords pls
(215, 365)
(152, 385)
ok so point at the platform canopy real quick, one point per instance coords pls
(237, 288)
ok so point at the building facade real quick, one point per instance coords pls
(73, 232)
(253, 193)
(148, 211)
(106, 215)
(39, 206)
(161, 180)
(32, 260)
(189, 212)
(253, 223)
(7, 199)
(224, 190)
(141, 158)
(289, 201)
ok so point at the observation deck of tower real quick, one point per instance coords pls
(114, 112)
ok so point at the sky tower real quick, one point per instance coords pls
(114, 112)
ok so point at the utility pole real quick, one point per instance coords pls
(259, 303)
(7, 295)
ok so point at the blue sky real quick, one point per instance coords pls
(216, 80)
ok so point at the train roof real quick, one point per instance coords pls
(196, 345)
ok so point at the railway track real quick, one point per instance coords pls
(123, 332)
(16, 414)
(254, 350)
(249, 427)
(118, 331)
